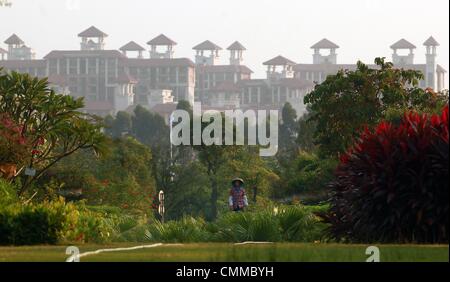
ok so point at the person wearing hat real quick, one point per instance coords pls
(238, 198)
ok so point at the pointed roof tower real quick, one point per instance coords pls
(132, 46)
(279, 61)
(403, 44)
(325, 44)
(161, 40)
(92, 32)
(236, 46)
(207, 45)
(431, 42)
(14, 40)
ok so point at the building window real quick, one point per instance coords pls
(63, 66)
(92, 66)
(102, 66)
(73, 66)
(110, 93)
(82, 66)
(53, 66)
(112, 66)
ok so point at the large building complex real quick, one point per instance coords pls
(109, 80)
(116, 80)
(325, 62)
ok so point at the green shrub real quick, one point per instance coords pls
(299, 224)
(53, 222)
(8, 193)
(312, 174)
(31, 224)
(285, 223)
(128, 228)
(6, 227)
(307, 176)
(187, 229)
(233, 227)
(92, 227)
(288, 223)
(246, 226)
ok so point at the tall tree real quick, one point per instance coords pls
(306, 131)
(149, 128)
(350, 100)
(49, 123)
(287, 134)
(119, 125)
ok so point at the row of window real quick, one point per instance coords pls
(161, 74)
(74, 66)
(40, 72)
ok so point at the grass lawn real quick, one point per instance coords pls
(229, 252)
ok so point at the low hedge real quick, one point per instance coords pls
(53, 222)
(32, 224)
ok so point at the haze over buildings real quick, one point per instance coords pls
(246, 53)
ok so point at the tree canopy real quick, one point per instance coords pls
(49, 125)
(350, 100)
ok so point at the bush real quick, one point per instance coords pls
(187, 229)
(92, 227)
(308, 177)
(288, 223)
(245, 226)
(313, 174)
(392, 186)
(30, 224)
(121, 179)
(298, 224)
(53, 222)
(8, 194)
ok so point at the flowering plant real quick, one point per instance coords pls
(14, 146)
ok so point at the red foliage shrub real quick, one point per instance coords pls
(393, 184)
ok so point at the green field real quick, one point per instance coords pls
(283, 252)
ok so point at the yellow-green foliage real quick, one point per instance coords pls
(52, 222)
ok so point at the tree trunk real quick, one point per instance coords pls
(255, 193)
(214, 196)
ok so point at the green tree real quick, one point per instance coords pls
(188, 192)
(149, 128)
(288, 127)
(121, 124)
(122, 178)
(245, 162)
(306, 131)
(213, 158)
(350, 100)
(51, 123)
(306, 177)
(288, 131)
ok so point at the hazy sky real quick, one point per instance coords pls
(364, 29)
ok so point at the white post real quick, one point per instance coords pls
(161, 210)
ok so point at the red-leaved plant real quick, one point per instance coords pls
(393, 184)
(14, 146)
